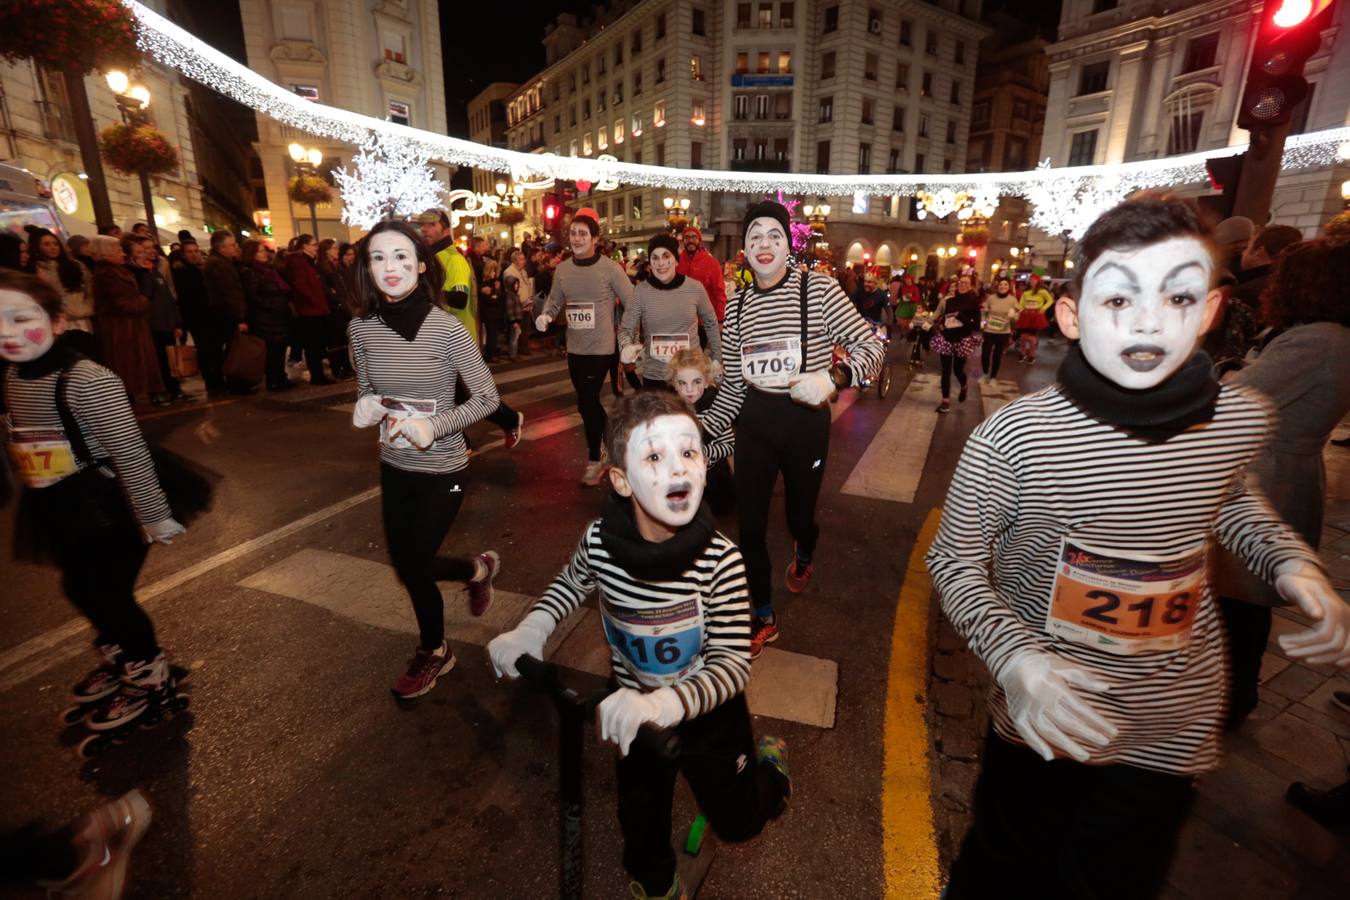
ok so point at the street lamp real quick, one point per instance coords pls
(132, 103)
(510, 201)
(677, 211)
(1345, 194)
(307, 161)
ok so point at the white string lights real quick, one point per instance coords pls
(388, 178)
(177, 49)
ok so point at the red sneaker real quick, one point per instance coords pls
(423, 670)
(511, 436)
(762, 631)
(480, 589)
(798, 574)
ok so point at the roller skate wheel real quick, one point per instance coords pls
(93, 745)
(74, 715)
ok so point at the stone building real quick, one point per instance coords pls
(487, 125)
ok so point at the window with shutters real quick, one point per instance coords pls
(1093, 77)
(831, 21)
(864, 158)
(827, 62)
(867, 105)
(870, 64)
(1083, 148)
(822, 157)
(898, 119)
(826, 110)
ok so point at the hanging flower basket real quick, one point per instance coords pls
(511, 215)
(310, 189)
(975, 238)
(137, 150)
(83, 34)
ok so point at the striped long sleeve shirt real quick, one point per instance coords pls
(709, 603)
(757, 316)
(98, 401)
(584, 294)
(425, 369)
(1040, 471)
(666, 313)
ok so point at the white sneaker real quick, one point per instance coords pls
(592, 474)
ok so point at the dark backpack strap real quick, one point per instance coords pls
(72, 428)
(805, 276)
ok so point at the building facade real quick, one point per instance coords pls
(487, 125)
(37, 133)
(837, 86)
(381, 58)
(1138, 79)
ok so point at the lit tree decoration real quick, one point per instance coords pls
(801, 231)
(388, 179)
(1065, 204)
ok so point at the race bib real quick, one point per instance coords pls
(658, 645)
(665, 346)
(41, 456)
(1124, 604)
(769, 364)
(403, 409)
(581, 315)
(996, 323)
(951, 322)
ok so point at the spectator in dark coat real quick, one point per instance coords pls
(189, 281)
(225, 296)
(166, 324)
(338, 292)
(125, 345)
(310, 303)
(269, 309)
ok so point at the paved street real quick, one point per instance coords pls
(295, 775)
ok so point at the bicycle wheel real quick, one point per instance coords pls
(884, 380)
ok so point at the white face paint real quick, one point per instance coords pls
(580, 239)
(26, 331)
(1143, 310)
(690, 385)
(766, 249)
(393, 264)
(663, 264)
(665, 470)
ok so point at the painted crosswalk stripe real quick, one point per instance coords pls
(996, 394)
(789, 686)
(893, 463)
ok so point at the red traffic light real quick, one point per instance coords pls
(1292, 12)
(550, 212)
(1290, 32)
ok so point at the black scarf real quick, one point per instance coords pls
(60, 355)
(640, 557)
(407, 315)
(660, 285)
(588, 261)
(1153, 415)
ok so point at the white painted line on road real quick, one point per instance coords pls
(997, 394)
(789, 686)
(893, 463)
(37, 654)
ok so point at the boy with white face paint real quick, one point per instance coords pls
(675, 612)
(778, 378)
(1104, 642)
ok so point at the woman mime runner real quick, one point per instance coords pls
(664, 316)
(409, 354)
(780, 334)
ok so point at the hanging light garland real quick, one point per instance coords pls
(173, 47)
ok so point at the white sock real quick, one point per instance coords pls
(480, 570)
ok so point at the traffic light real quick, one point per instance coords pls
(1225, 172)
(554, 212)
(1290, 32)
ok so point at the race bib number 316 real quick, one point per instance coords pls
(1125, 604)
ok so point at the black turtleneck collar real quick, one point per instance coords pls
(754, 283)
(588, 261)
(644, 559)
(60, 355)
(442, 244)
(1153, 415)
(660, 285)
(407, 315)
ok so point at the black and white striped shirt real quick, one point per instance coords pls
(755, 315)
(426, 368)
(98, 401)
(714, 582)
(1040, 470)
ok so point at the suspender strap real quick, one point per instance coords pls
(801, 300)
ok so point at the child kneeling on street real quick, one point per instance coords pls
(676, 612)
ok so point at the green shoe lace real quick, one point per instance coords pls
(676, 891)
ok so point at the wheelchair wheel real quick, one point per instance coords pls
(884, 380)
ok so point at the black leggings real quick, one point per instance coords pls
(311, 332)
(775, 434)
(419, 509)
(991, 352)
(1065, 831)
(588, 377)
(95, 540)
(737, 794)
(950, 364)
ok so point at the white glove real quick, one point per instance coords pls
(542, 321)
(162, 532)
(811, 389)
(419, 432)
(630, 354)
(626, 710)
(715, 372)
(526, 639)
(1328, 641)
(370, 410)
(1045, 705)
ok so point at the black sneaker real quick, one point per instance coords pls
(1330, 808)
(1341, 699)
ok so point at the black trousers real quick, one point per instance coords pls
(1065, 831)
(209, 334)
(164, 340)
(275, 363)
(774, 434)
(419, 509)
(952, 364)
(90, 531)
(312, 334)
(736, 793)
(1248, 627)
(588, 377)
(991, 352)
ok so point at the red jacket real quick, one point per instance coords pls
(307, 293)
(704, 268)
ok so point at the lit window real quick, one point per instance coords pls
(699, 116)
(659, 114)
(618, 131)
(696, 68)
(400, 113)
(586, 147)
(603, 139)
(635, 128)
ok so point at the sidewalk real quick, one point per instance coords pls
(1242, 839)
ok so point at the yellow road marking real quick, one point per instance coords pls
(909, 844)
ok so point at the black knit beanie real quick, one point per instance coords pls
(769, 209)
(663, 241)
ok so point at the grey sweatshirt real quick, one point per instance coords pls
(670, 312)
(585, 295)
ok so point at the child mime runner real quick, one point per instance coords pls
(676, 613)
(1071, 557)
